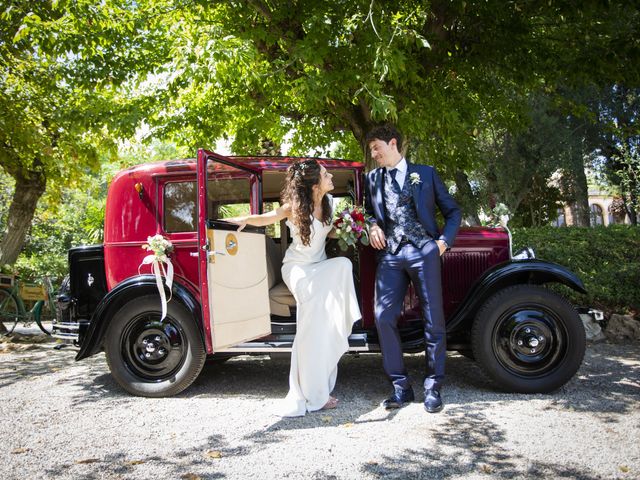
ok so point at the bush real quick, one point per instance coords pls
(607, 260)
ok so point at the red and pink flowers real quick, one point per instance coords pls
(351, 227)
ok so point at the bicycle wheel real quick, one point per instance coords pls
(9, 311)
(36, 312)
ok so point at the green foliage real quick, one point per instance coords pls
(614, 137)
(607, 260)
(75, 215)
(68, 71)
(457, 77)
(57, 226)
(6, 191)
(520, 163)
(444, 71)
(540, 206)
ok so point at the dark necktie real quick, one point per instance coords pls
(394, 183)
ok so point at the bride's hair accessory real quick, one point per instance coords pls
(299, 168)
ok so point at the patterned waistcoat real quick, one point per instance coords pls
(401, 217)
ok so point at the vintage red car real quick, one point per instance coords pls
(228, 297)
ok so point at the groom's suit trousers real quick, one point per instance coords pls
(421, 266)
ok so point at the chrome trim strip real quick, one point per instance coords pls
(66, 326)
(66, 337)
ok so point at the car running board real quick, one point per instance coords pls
(357, 343)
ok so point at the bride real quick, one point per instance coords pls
(323, 288)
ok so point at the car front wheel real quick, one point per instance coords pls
(153, 358)
(528, 339)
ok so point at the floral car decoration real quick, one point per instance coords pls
(160, 247)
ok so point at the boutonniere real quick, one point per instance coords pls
(415, 178)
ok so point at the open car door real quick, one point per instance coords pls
(232, 265)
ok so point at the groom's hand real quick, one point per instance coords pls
(378, 241)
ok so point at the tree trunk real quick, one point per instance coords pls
(359, 119)
(629, 204)
(581, 194)
(467, 199)
(28, 191)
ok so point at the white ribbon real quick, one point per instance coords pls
(157, 268)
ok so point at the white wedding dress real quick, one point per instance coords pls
(326, 309)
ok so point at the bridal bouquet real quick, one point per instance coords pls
(351, 227)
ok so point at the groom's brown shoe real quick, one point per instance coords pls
(398, 399)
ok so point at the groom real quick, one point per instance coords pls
(401, 197)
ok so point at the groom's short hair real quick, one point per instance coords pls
(385, 133)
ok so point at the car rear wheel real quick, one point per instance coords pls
(528, 339)
(153, 358)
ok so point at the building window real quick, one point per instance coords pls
(596, 215)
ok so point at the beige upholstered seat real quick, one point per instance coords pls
(280, 298)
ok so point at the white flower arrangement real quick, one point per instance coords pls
(160, 246)
(415, 178)
(497, 216)
(501, 213)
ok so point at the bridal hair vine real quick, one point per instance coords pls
(299, 168)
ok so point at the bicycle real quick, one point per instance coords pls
(14, 292)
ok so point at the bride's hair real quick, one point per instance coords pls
(298, 191)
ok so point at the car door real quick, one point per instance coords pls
(232, 265)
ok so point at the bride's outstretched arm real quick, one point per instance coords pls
(262, 220)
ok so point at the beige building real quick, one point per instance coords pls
(600, 204)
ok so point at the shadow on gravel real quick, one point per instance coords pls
(199, 462)
(122, 465)
(23, 360)
(468, 445)
(608, 381)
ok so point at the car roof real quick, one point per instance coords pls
(256, 163)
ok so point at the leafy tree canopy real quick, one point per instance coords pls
(75, 74)
(442, 70)
(64, 71)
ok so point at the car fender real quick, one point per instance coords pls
(535, 272)
(127, 290)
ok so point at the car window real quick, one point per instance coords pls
(180, 208)
(227, 198)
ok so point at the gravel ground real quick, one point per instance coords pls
(68, 420)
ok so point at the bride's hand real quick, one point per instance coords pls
(240, 221)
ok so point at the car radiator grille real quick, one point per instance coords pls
(460, 271)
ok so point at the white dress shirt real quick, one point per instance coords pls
(400, 174)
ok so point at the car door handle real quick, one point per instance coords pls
(209, 254)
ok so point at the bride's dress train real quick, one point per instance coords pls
(326, 309)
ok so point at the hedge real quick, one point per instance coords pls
(607, 260)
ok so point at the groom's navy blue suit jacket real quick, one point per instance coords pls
(427, 193)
